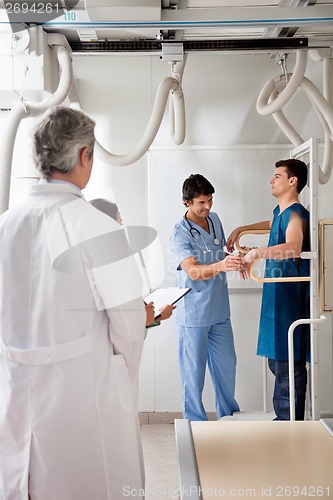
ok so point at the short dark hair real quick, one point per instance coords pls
(196, 185)
(295, 168)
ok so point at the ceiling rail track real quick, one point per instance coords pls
(191, 45)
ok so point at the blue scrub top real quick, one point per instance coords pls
(208, 302)
(284, 303)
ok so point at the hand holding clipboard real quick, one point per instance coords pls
(163, 296)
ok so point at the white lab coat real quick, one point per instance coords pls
(68, 367)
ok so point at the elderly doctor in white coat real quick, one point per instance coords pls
(71, 333)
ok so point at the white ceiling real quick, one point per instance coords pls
(194, 20)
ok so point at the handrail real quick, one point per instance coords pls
(285, 279)
(253, 231)
(291, 359)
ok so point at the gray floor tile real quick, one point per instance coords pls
(161, 464)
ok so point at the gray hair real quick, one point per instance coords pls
(60, 137)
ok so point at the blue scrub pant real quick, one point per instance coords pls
(197, 347)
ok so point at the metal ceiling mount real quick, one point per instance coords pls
(137, 25)
(166, 47)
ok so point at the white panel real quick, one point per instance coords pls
(31, 74)
(326, 266)
(328, 252)
(220, 96)
(240, 176)
(123, 10)
(228, 3)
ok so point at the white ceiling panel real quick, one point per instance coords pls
(96, 21)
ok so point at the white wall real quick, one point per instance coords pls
(220, 96)
(220, 90)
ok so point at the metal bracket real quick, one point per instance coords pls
(172, 52)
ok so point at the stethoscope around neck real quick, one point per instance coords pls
(194, 229)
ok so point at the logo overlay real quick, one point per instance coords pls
(23, 13)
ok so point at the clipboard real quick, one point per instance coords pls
(163, 296)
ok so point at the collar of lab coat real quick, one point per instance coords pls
(65, 187)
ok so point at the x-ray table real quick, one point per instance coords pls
(255, 459)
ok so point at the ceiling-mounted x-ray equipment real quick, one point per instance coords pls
(170, 86)
(56, 49)
(277, 92)
(35, 47)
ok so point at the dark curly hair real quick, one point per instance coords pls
(196, 185)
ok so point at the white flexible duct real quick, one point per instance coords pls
(326, 171)
(272, 104)
(65, 83)
(167, 85)
(285, 125)
(321, 107)
(7, 141)
(265, 108)
(22, 110)
(287, 128)
(177, 106)
(154, 123)
(177, 117)
(73, 97)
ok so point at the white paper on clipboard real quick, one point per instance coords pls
(164, 296)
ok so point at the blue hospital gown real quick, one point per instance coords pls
(283, 303)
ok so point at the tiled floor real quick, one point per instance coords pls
(161, 465)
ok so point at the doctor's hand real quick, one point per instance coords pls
(150, 313)
(248, 260)
(233, 263)
(166, 312)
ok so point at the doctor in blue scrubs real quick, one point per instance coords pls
(203, 317)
